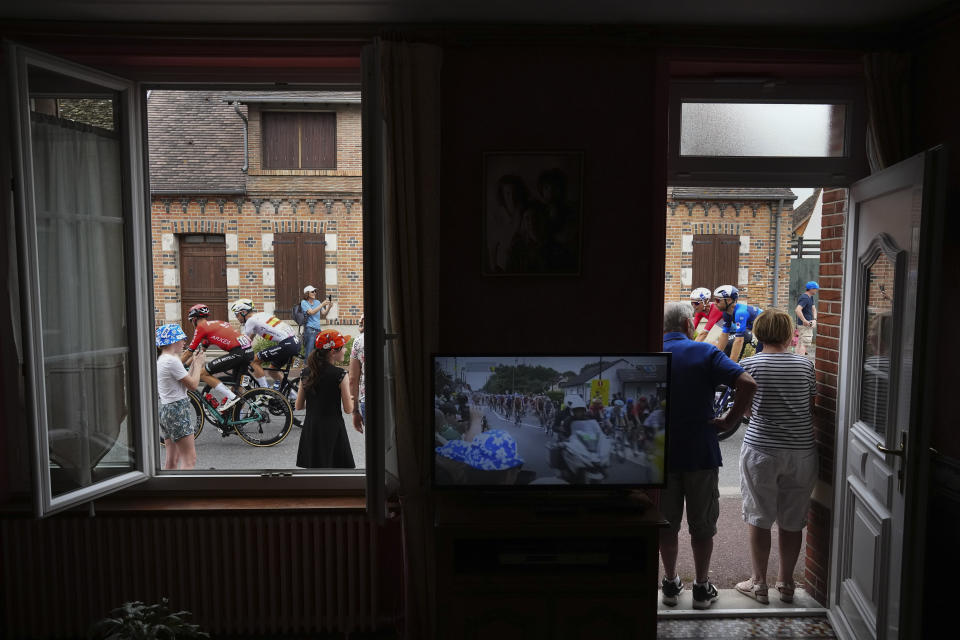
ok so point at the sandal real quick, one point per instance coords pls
(755, 590)
(786, 591)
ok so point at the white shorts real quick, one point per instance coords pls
(776, 485)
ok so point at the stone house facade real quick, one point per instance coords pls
(255, 195)
(721, 236)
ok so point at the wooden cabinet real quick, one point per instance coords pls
(527, 573)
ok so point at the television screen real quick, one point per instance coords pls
(594, 420)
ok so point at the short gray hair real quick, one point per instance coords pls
(675, 316)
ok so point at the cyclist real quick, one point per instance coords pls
(286, 343)
(738, 319)
(706, 316)
(219, 333)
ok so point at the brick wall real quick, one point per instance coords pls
(754, 222)
(249, 225)
(829, 305)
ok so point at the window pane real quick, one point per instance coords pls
(726, 129)
(319, 132)
(877, 345)
(78, 191)
(281, 140)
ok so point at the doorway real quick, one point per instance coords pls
(203, 274)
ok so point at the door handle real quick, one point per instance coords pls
(901, 452)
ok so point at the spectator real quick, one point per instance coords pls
(315, 311)
(358, 387)
(806, 319)
(694, 458)
(173, 381)
(778, 458)
(323, 388)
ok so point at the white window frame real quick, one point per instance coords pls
(269, 481)
(764, 170)
(21, 60)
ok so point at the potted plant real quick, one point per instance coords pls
(139, 621)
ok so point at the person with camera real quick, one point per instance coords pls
(315, 311)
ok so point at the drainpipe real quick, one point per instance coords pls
(246, 124)
(776, 258)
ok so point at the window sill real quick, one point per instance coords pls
(22, 507)
(144, 504)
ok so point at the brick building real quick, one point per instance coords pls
(255, 195)
(730, 236)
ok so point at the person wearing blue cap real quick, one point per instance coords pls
(173, 381)
(806, 319)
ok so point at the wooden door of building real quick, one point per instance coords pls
(298, 260)
(203, 275)
(716, 260)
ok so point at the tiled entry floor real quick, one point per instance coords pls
(806, 627)
(736, 616)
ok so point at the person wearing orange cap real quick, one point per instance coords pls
(325, 393)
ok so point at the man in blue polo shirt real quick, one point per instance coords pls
(693, 456)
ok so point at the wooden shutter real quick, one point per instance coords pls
(203, 276)
(716, 260)
(280, 139)
(319, 141)
(298, 260)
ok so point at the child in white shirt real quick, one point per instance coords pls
(173, 381)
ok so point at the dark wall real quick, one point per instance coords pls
(597, 99)
(937, 97)
(938, 122)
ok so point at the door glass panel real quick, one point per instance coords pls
(735, 130)
(877, 339)
(79, 220)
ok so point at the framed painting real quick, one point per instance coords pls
(532, 213)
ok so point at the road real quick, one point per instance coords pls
(214, 452)
(532, 443)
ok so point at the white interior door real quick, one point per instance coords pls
(876, 422)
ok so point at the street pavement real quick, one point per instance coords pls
(217, 452)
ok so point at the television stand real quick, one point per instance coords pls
(542, 570)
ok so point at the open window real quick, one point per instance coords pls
(84, 278)
(97, 278)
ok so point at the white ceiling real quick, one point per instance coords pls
(659, 12)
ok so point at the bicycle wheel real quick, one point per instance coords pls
(196, 415)
(262, 417)
(724, 403)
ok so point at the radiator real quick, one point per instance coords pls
(238, 575)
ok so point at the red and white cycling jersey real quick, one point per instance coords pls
(219, 333)
(268, 326)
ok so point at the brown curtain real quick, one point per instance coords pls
(410, 83)
(889, 115)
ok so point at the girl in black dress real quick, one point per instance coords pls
(323, 388)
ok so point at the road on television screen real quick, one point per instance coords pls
(532, 440)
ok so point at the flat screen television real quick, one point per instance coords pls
(584, 421)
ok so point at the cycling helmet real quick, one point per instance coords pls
(169, 334)
(330, 339)
(198, 311)
(243, 305)
(726, 291)
(574, 401)
(701, 294)
(813, 285)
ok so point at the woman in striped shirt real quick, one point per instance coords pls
(778, 460)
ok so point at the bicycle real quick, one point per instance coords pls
(262, 417)
(723, 399)
(286, 383)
